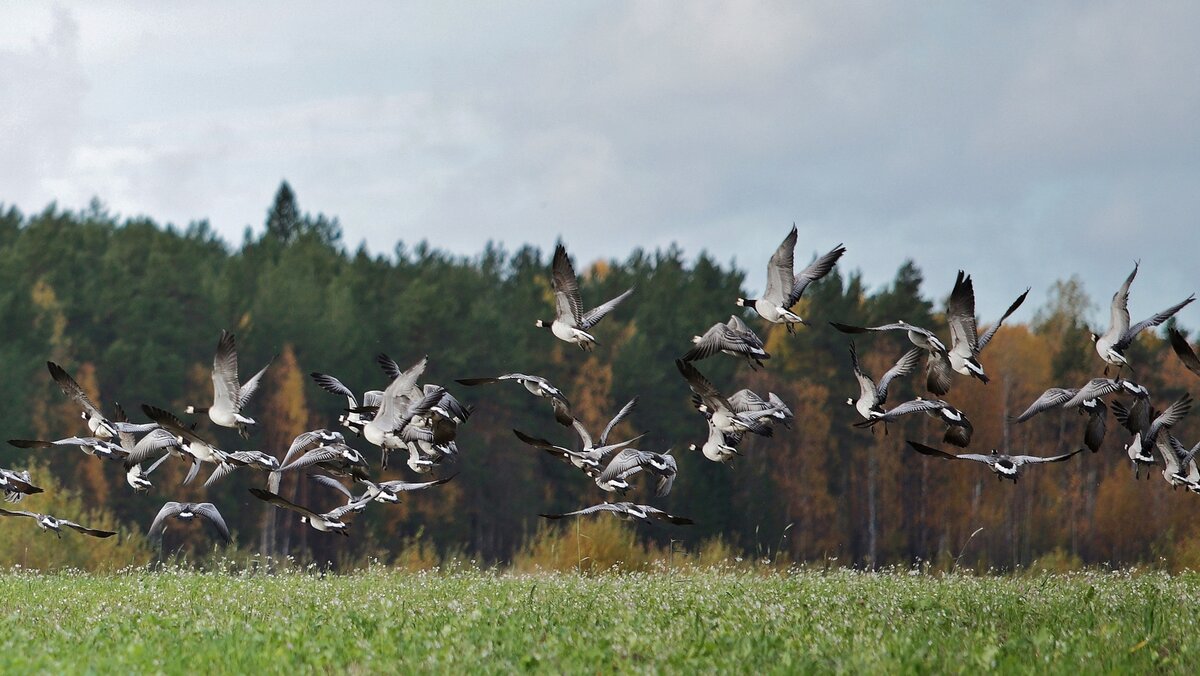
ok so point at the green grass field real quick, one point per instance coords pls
(378, 621)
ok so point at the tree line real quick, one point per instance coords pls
(133, 309)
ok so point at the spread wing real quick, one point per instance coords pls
(330, 482)
(280, 501)
(1097, 425)
(334, 386)
(593, 316)
(569, 306)
(94, 532)
(409, 486)
(655, 513)
(780, 280)
(169, 422)
(960, 315)
(1033, 459)
(906, 365)
(1186, 354)
(1051, 398)
(250, 386)
(987, 337)
(815, 270)
(71, 388)
(1157, 319)
(701, 385)
(1119, 322)
(931, 451)
(603, 507)
(225, 373)
(938, 373)
(168, 510)
(616, 420)
(209, 511)
(625, 464)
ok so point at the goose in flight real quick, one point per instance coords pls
(1005, 466)
(1086, 399)
(263, 462)
(335, 458)
(631, 461)
(1184, 350)
(186, 511)
(717, 408)
(1179, 463)
(333, 521)
(1112, 345)
(97, 424)
(593, 454)
(1146, 429)
(571, 323)
(537, 386)
(190, 443)
(355, 417)
(384, 491)
(137, 478)
(230, 396)
(783, 288)
(958, 427)
(47, 522)
(872, 396)
(96, 446)
(733, 338)
(627, 511)
(719, 447)
(965, 343)
(937, 365)
(16, 485)
(748, 401)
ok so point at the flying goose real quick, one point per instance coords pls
(1141, 448)
(335, 458)
(571, 323)
(1086, 399)
(1112, 345)
(627, 511)
(395, 410)
(1182, 348)
(96, 446)
(748, 401)
(717, 408)
(230, 396)
(593, 453)
(55, 524)
(630, 461)
(937, 365)
(255, 459)
(537, 386)
(333, 521)
(356, 417)
(384, 491)
(965, 343)
(589, 459)
(1005, 466)
(872, 396)
(186, 511)
(1179, 463)
(97, 424)
(719, 447)
(193, 445)
(783, 288)
(733, 338)
(958, 427)
(16, 485)
(135, 476)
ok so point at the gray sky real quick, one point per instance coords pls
(1023, 142)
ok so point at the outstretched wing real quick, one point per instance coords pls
(71, 388)
(603, 507)
(616, 420)
(987, 337)
(334, 386)
(593, 316)
(1051, 398)
(815, 270)
(209, 511)
(225, 373)
(906, 365)
(1186, 354)
(780, 280)
(168, 510)
(566, 288)
(1155, 320)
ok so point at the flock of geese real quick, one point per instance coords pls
(422, 420)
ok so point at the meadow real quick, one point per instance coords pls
(177, 620)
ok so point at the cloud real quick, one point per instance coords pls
(1023, 144)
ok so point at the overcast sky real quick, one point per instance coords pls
(1023, 142)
